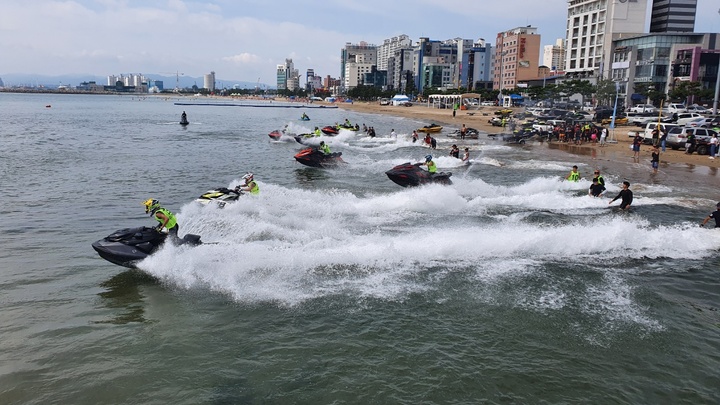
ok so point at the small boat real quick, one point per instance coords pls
(48, 106)
(314, 158)
(432, 128)
(411, 175)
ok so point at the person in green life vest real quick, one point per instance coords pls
(432, 168)
(250, 185)
(164, 217)
(324, 148)
(317, 131)
(574, 175)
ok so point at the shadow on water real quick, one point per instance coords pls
(309, 175)
(123, 293)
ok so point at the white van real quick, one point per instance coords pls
(675, 108)
(650, 126)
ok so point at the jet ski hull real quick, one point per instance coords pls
(411, 175)
(314, 158)
(126, 247)
(219, 196)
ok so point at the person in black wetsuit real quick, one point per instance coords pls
(626, 195)
(715, 215)
(596, 189)
(455, 152)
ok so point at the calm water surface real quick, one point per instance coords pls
(338, 286)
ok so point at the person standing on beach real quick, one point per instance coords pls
(603, 136)
(636, 146)
(663, 139)
(574, 175)
(689, 142)
(454, 109)
(655, 159)
(714, 215)
(626, 195)
(713, 146)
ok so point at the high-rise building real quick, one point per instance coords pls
(591, 27)
(209, 81)
(476, 66)
(517, 52)
(389, 47)
(554, 55)
(288, 78)
(356, 60)
(673, 16)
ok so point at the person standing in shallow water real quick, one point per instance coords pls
(574, 174)
(626, 195)
(713, 215)
(655, 161)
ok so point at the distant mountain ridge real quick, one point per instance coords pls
(52, 82)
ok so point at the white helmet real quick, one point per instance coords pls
(248, 176)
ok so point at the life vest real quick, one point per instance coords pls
(326, 149)
(574, 176)
(431, 167)
(317, 132)
(254, 188)
(172, 221)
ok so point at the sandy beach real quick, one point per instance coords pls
(618, 149)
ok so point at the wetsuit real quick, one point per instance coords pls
(716, 216)
(596, 189)
(627, 198)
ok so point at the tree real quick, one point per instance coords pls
(650, 91)
(605, 92)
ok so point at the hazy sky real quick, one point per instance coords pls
(246, 39)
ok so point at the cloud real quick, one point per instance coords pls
(242, 59)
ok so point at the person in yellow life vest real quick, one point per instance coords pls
(574, 174)
(317, 131)
(324, 148)
(250, 185)
(432, 168)
(164, 217)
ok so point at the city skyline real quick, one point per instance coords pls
(245, 41)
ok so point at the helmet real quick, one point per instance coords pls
(322, 143)
(428, 158)
(248, 176)
(151, 205)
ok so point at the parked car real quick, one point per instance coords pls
(406, 104)
(684, 118)
(646, 133)
(487, 103)
(698, 109)
(695, 122)
(675, 108)
(643, 108)
(678, 135)
(384, 101)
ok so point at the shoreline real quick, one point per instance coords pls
(618, 151)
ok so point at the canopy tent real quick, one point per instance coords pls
(448, 100)
(399, 98)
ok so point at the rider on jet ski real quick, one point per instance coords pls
(432, 168)
(166, 218)
(325, 148)
(250, 185)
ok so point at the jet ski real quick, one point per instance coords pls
(411, 175)
(328, 130)
(220, 196)
(470, 133)
(356, 127)
(275, 135)
(314, 158)
(432, 128)
(126, 247)
(184, 121)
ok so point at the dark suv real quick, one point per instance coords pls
(677, 136)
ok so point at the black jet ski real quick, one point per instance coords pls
(184, 121)
(220, 196)
(411, 175)
(470, 133)
(314, 158)
(126, 247)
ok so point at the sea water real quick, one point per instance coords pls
(339, 286)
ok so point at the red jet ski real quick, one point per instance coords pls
(411, 175)
(314, 158)
(328, 130)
